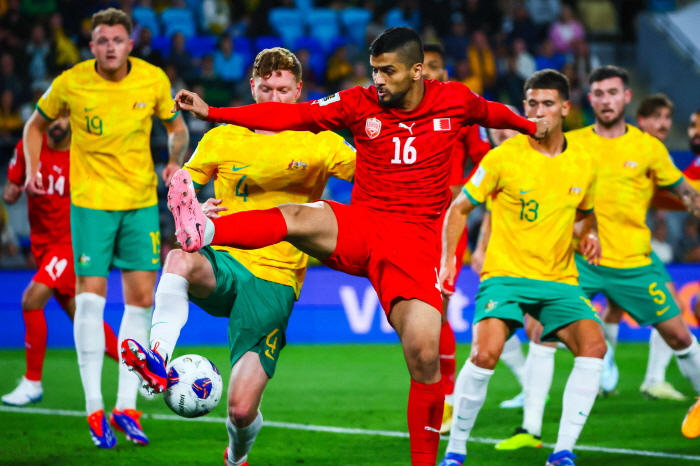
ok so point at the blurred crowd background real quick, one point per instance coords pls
(208, 46)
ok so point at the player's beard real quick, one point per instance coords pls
(614, 121)
(695, 145)
(393, 99)
(58, 134)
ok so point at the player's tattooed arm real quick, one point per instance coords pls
(586, 228)
(455, 221)
(178, 142)
(689, 196)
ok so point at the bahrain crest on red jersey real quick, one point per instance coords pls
(373, 127)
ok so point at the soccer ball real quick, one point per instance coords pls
(194, 386)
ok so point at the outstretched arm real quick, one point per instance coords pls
(287, 117)
(455, 221)
(501, 117)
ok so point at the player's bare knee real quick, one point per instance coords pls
(594, 348)
(485, 358)
(423, 358)
(678, 340)
(293, 215)
(242, 414)
(179, 263)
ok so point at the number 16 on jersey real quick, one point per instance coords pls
(409, 152)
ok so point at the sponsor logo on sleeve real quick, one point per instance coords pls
(442, 124)
(329, 99)
(478, 176)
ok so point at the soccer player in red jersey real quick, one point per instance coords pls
(49, 220)
(471, 145)
(404, 129)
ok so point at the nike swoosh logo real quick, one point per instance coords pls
(90, 109)
(239, 168)
(525, 192)
(584, 415)
(463, 418)
(663, 311)
(155, 261)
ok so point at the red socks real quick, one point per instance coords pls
(448, 362)
(254, 229)
(34, 342)
(425, 406)
(111, 343)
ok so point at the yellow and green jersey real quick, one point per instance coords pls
(111, 167)
(534, 210)
(255, 172)
(629, 169)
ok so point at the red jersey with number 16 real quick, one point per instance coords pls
(49, 215)
(403, 158)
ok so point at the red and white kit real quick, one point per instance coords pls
(390, 232)
(49, 219)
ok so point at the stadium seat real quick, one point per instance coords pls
(162, 44)
(288, 23)
(147, 18)
(323, 25)
(268, 42)
(355, 21)
(304, 5)
(309, 43)
(244, 46)
(178, 20)
(395, 18)
(199, 46)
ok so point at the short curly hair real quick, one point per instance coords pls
(111, 17)
(275, 60)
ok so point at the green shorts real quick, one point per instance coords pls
(554, 304)
(641, 291)
(258, 310)
(660, 267)
(104, 239)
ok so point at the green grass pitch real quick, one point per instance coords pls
(362, 387)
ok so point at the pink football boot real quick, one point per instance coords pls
(189, 218)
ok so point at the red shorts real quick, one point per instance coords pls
(400, 259)
(56, 268)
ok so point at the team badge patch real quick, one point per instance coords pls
(442, 124)
(575, 191)
(631, 164)
(373, 127)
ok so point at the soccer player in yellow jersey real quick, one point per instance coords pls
(631, 165)
(114, 211)
(255, 289)
(654, 116)
(543, 189)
